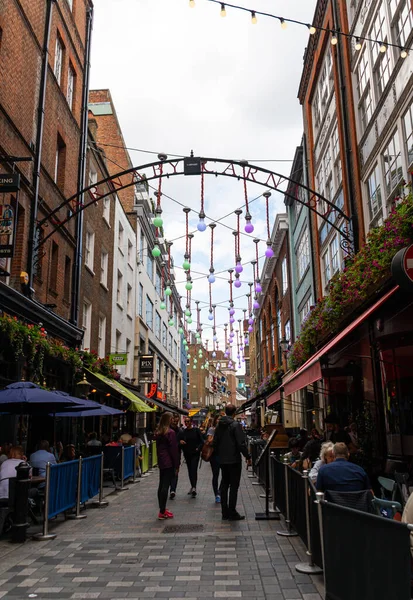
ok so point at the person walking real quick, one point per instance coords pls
(214, 460)
(191, 442)
(176, 427)
(229, 443)
(168, 461)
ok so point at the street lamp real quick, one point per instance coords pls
(285, 346)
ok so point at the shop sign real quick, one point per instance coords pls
(402, 268)
(8, 219)
(153, 392)
(118, 358)
(9, 183)
(146, 366)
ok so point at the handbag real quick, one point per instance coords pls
(207, 451)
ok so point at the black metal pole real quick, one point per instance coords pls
(77, 265)
(39, 141)
(267, 516)
(21, 503)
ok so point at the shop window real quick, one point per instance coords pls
(68, 274)
(54, 267)
(408, 134)
(58, 59)
(60, 163)
(71, 83)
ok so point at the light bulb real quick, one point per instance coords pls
(258, 288)
(186, 265)
(383, 47)
(249, 227)
(358, 44)
(156, 251)
(239, 268)
(403, 53)
(250, 321)
(168, 291)
(250, 329)
(232, 311)
(202, 366)
(334, 39)
(210, 316)
(269, 252)
(311, 29)
(187, 312)
(158, 222)
(256, 305)
(189, 320)
(253, 18)
(215, 338)
(223, 11)
(214, 354)
(237, 283)
(191, 3)
(201, 224)
(188, 286)
(162, 305)
(211, 278)
(170, 322)
(180, 331)
(283, 23)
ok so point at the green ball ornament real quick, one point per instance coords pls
(186, 265)
(180, 331)
(162, 306)
(171, 322)
(202, 366)
(156, 251)
(195, 361)
(168, 291)
(188, 286)
(189, 320)
(158, 222)
(187, 312)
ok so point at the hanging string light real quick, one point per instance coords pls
(258, 288)
(162, 305)
(238, 265)
(210, 314)
(201, 224)
(186, 265)
(211, 277)
(237, 282)
(249, 227)
(269, 253)
(312, 29)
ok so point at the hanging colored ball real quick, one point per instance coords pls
(251, 321)
(214, 354)
(269, 253)
(201, 225)
(239, 268)
(187, 312)
(250, 329)
(189, 320)
(256, 305)
(168, 291)
(188, 286)
(186, 265)
(249, 227)
(237, 283)
(211, 278)
(171, 322)
(156, 251)
(158, 222)
(162, 306)
(258, 288)
(180, 331)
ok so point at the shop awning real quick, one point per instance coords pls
(169, 407)
(137, 405)
(310, 371)
(274, 397)
(244, 406)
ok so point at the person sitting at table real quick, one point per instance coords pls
(8, 470)
(40, 458)
(69, 453)
(342, 475)
(125, 438)
(93, 440)
(326, 457)
(4, 451)
(294, 455)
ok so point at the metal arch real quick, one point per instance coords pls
(247, 172)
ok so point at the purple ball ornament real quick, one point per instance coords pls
(246, 341)
(239, 268)
(250, 329)
(232, 320)
(243, 359)
(249, 227)
(269, 252)
(251, 321)
(256, 305)
(232, 312)
(237, 283)
(258, 288)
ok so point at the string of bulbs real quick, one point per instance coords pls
(312, 29)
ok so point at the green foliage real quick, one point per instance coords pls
(350, 288)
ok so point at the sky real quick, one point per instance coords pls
(187, 79)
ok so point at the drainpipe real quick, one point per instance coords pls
(347, 155)
(81, 173)
(33, 238)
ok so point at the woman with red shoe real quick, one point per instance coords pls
(168, 461)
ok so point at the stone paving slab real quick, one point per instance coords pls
(121, 552)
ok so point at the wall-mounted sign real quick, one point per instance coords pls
(402, 267)
(9, 183)
(192, 165)
(8, 220)
(153, 392)
(146, 367)
(118, 358)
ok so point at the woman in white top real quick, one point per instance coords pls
(326, 457)
(8, 469)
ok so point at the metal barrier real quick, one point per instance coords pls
(145, 459)
(289, 531)
(365, 556)
(154, 455)
(128, 461)
(91, 476)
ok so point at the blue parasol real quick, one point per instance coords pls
(28, 398)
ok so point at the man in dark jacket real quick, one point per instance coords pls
(229, 443)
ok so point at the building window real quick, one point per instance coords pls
(129, 301)
(141, 247)
(93, 176)
(118, 347)
(304, 309)
(158, 323)
(71, 81)
(164, 335)
(89, 249)
(60, 162)
(374, 193)
(68, 275)
(381, 60)
(149, 313)
(140, 301)
(104, 268)
(119, 289)
(408, 134)
(326, 267)
(287, 331)
(158, 283)
(335, 255)
(170, 344)
(58, 59)
(120, 237)
(175, 354)
(284, 275)
(54, 267)
(128, 358)
(70, 3)
(106, 209)
(402, 21)
(364, 89)
(303, 255)
(392, 164)
(130, 253)
(336, 158)
(86, 323)
(149, 266)
(102, 336)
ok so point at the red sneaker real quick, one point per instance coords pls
(162, 516)
(168, 514)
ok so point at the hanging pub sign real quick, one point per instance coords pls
(146, 366)
(153, 392)
(402, 268)
(9, 183)
(8, 220)
(118, 358)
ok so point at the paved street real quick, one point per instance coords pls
(123, 551)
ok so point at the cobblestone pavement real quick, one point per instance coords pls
(122, 552)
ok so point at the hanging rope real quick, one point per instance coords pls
(212, 226)
(230, 284)
(256, 242)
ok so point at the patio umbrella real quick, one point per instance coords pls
(102, 411)
(27, 398)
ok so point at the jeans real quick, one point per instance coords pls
(214, 462)
(231, 476)
(192, 463)
(165, 478)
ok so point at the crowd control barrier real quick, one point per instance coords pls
(154, 455)
(145, 459)
(264, 459)
(67, 486)
(129, 462)
(365, 556)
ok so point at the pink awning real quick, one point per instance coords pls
(310, 371)
(274, 397)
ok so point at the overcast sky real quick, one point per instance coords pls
(185, 78)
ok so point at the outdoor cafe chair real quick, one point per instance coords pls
(388, 488)
(386, 508)
(357, 500)
(402, 487)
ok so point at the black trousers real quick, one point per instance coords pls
(214, 462)
(165, 479)
(192, 463)
(231, 476)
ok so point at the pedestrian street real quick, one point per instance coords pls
(124, 552)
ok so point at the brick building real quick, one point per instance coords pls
(41, 119)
